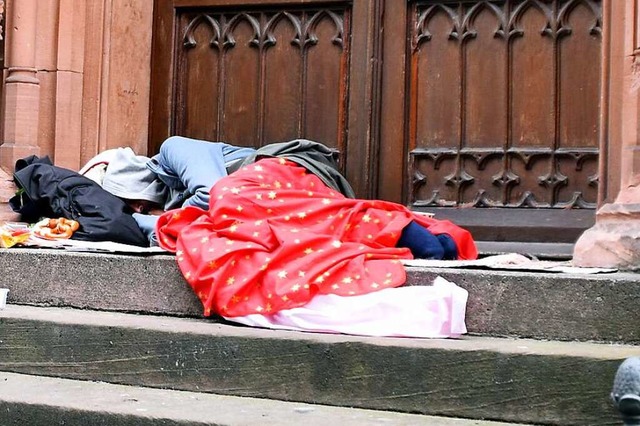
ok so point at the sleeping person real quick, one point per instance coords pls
(260, 232)
(274, 237)
(185, 170)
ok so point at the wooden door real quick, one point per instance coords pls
(484, 111)
(254, 72)
(499, 116)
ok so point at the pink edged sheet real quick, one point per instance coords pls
(436, 311)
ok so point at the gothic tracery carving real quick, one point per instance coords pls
(289, 63)
(445, 177)
(305, 24)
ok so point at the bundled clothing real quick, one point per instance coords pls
(313, 156)
(190, 167)
(46, 190)
(275, 235)
(186, 169)
(127, 177)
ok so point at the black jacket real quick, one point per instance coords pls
(45, 190)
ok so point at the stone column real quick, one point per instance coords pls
(614, 241)
(22, 89)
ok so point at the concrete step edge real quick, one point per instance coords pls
(601, 307)
(34, 400)
(510, 380)
(205, 327)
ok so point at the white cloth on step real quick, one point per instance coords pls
(436, 311)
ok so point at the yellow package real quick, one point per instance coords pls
(9, 238)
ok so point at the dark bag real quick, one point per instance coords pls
(45, 190)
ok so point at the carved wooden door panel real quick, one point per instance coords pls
(484, 111)
(252, 72)
(501, 113)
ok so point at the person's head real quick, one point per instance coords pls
(128, 178)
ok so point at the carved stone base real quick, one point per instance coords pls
(20, 123)
(9, 153)
(614, 241)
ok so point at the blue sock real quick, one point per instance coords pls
(422, 243)
(449, 246)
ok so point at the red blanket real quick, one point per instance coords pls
(276, 235)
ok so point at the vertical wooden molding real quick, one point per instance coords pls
(375, 91)
(160, 127)
(392, 150)
(364, 134)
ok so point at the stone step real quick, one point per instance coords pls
(43, 401)
(550, 251)
(498, 379)
(600, 307)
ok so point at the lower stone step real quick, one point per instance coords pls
(600, 307)
(43, 401)
(510, 380)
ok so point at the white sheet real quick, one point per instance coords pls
(436, 311)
